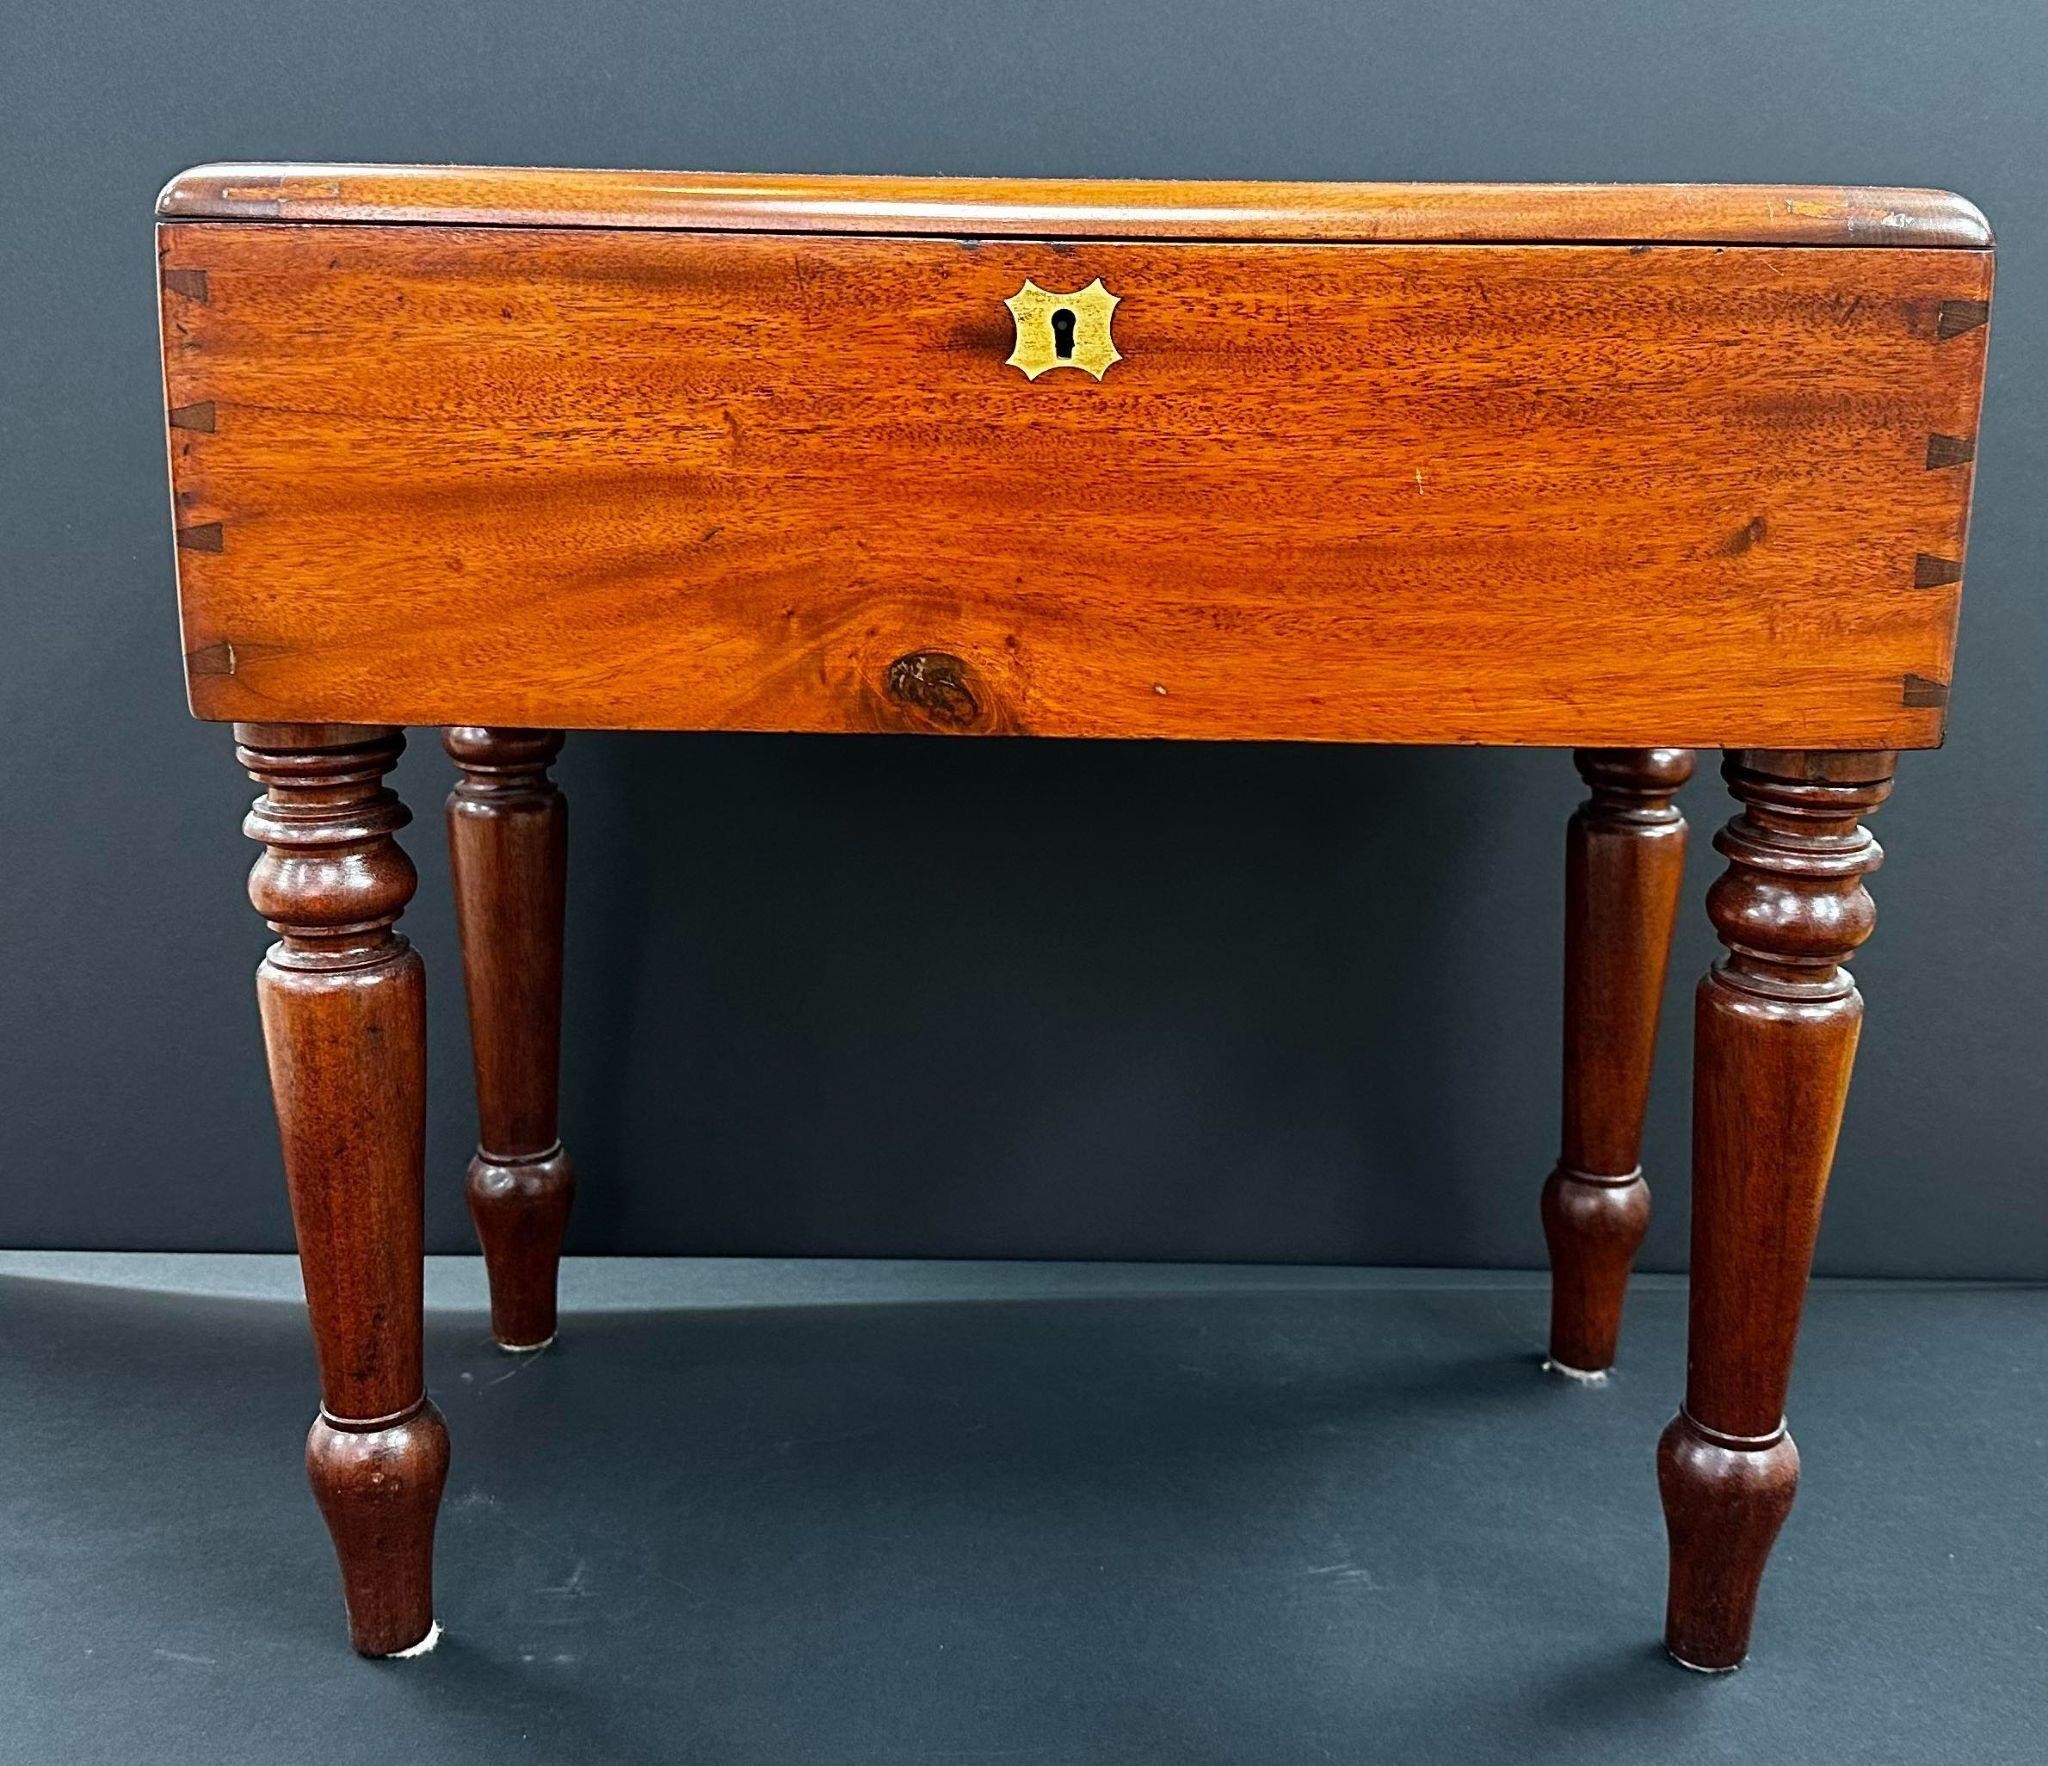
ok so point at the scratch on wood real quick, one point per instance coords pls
(1930, 572)
(190, 283)
(1921, 692)
(199, 416)
(1954, 317)
(206, 537)
(1950, 450)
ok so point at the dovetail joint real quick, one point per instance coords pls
(1954, 317)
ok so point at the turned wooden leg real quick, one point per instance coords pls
(344, 1020)
(1775, 1035)
(1624, 858)
(508, 834)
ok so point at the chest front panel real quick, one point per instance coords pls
(1604, 495)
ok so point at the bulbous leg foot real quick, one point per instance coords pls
(1593, 1226)
(380, 1490)
(521, 1210)
(1724, 1500)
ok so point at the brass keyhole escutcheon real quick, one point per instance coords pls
(1063, 330)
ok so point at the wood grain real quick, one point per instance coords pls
(1776, 1024)
(343, 1000)
(508, 841)
(1573, 495)
(1085, 208)
(1624, 860)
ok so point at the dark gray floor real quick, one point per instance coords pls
(1150, 1516)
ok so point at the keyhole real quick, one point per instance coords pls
(1063, 333)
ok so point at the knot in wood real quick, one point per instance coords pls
(940, 687)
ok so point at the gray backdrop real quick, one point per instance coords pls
(950, 998)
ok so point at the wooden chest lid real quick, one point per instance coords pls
(751, 202)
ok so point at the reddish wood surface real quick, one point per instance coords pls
(1775, 1035)
(379, 1491)
(1611, 468)
(1724, 1503)
(1724, 214)
(508, 832)
(1624, 860)
(1574, 495)
(344, 1020)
